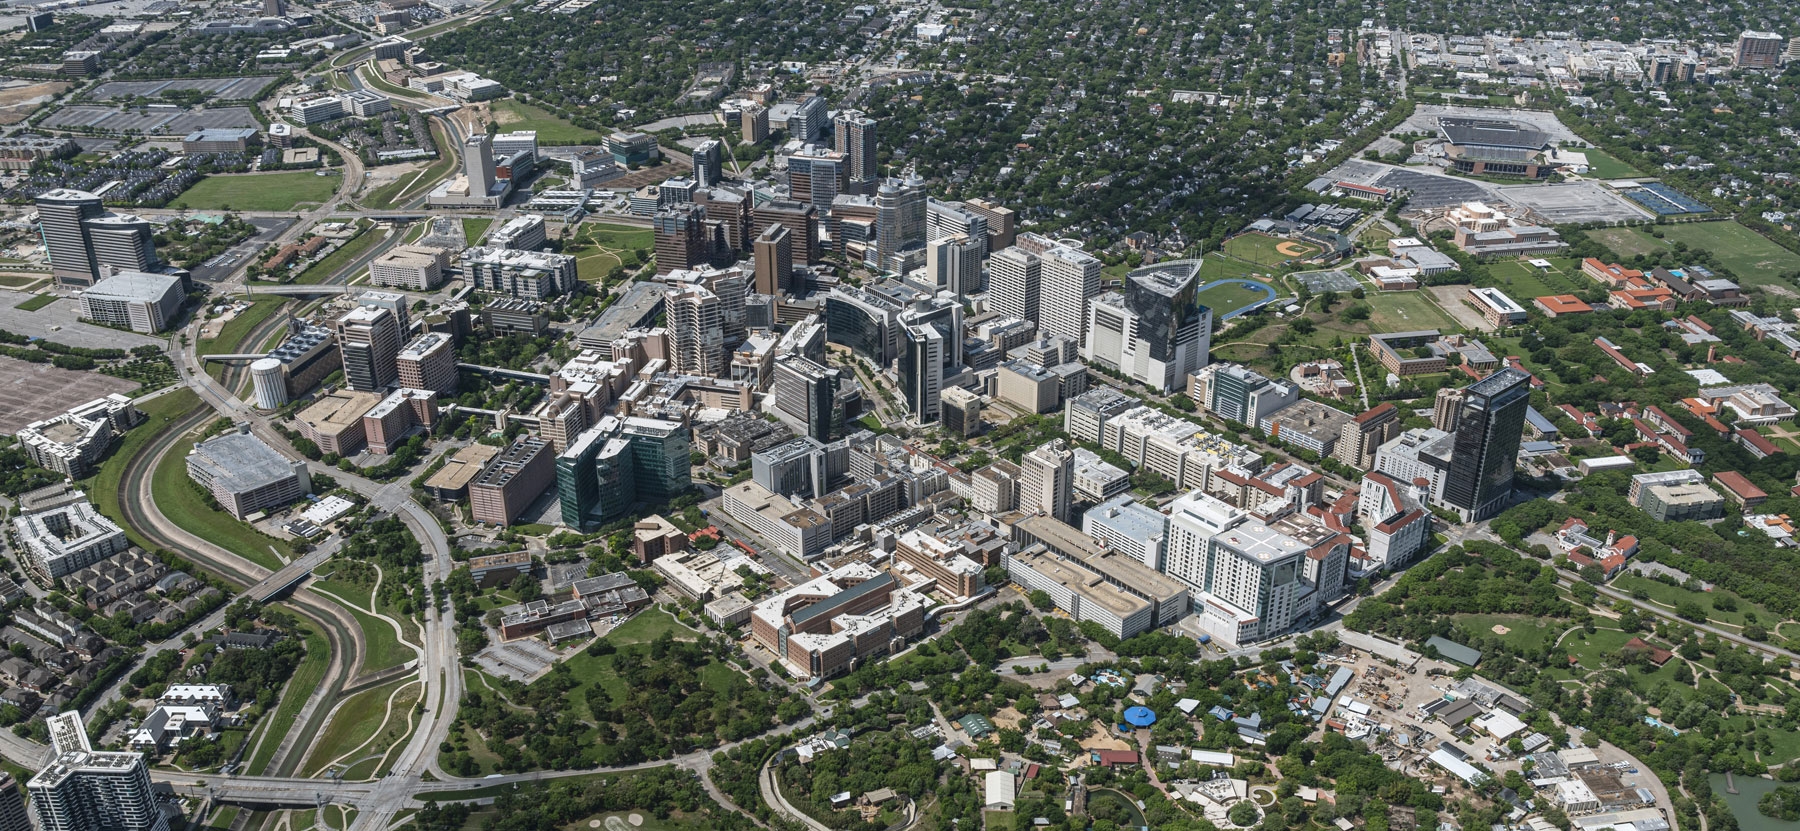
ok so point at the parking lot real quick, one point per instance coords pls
(523, 660)
(225, 88)
(1425, 119)
(57, 322)
(1318, 281)
(237, 256)
(1574, 202)
(148, 121)
(29, 391)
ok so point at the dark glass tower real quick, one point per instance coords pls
(1486, 447)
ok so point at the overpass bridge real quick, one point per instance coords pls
(503, 372)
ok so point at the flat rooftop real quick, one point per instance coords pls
(338, 411)
(1089, 584)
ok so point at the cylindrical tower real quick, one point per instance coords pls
(269, 377)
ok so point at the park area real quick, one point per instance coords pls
(1603, 165)
(1263, 249)
(599, 248)
(1228, 296)
(1522, 281)
(512, 114)
(259, 192)
(1752, 259)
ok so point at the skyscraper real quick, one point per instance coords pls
(82, 238)
(953, 264)
(1015, 281)
(696, 331)
(1002, 223)
(774, 256)
(932, 333)
(680, 237)
(1758, 50)
(1071, 277)
(816, 175)
(13, 816)
(854, 136)
(88, 790)
(809, 392)
(1153, 332)
(1047, 480)
(808, 119)
(1486, 446)
(616, 463)
(369, 340)
(947, 219)
(900, 222)
(478, 163)
(709, 163)
(801, 221)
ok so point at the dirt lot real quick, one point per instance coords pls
(29, 391)
(1454, 300)
(17, 102)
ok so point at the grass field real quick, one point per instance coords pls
(375, 80)
(1227, 298)
(1592, 651)
(35, 302)
(355, 724)
(232, 334)
(1266, 250)
(1522, 282)
(180, 500)
(1604, 165)
(306, 677)
(1405, 311)
(609, 243)
(15, 281)
(1526, 633)
(511, 115)
(103, 486)
(259, 191)
(1750, 256)
(346, 254)
(1626, 242)
(647, 626)
(384, 648)
(474, 228)
(1672, 596)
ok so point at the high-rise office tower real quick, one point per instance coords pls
(1153, 332)
(709, 163)
(1047, 480)
(1002, 223)
(478, 162)
(948, 219)
(1071, 277)
(13, 816)
(900, 222)
(808, 120)
(755, 126)
(61, 216)
(369, 340)
(774, 256)
(696, 331)
(801, 221)
(83, 239)
(614, 464)
(816, 175)
(931, 349)
(1758, 50)
(1253, 579)
(953, 264)
(854, 136)
(88, 790)
(428, 362)
(680, 237)
(1486, 448)
(809, 392)
(1015, 283)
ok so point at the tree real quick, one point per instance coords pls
(1040, 599)
(1242, 814)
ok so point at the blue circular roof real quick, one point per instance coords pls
(1140, 716)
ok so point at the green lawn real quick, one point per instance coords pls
(647, 626)
(1217, 267)
(1266, 250)
(374, 79)
(1603, 165)
(305, 679)
(19, 281)
(514, 115)
(35, 302)
(180, 500)
(1592, 651)
(1672, 596)
(998, 820)
(341, 259)
(357, 720)
(474, 228)
(1522, 282)
(1625, 242)
(1751, 257)
(1526, 633)
(103, 486)
(1406, 311)
(383, 646)
(232, 334)
(259, 191)
(1227, 298)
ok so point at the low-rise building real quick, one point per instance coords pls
(334, 421)
(136, 300)
(1090, 581)
(451, 482)
(1496, 308)
(490, 570)
(830, 624)
(1675, 496)
(414, 267)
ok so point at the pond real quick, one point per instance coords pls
(1743, 803)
